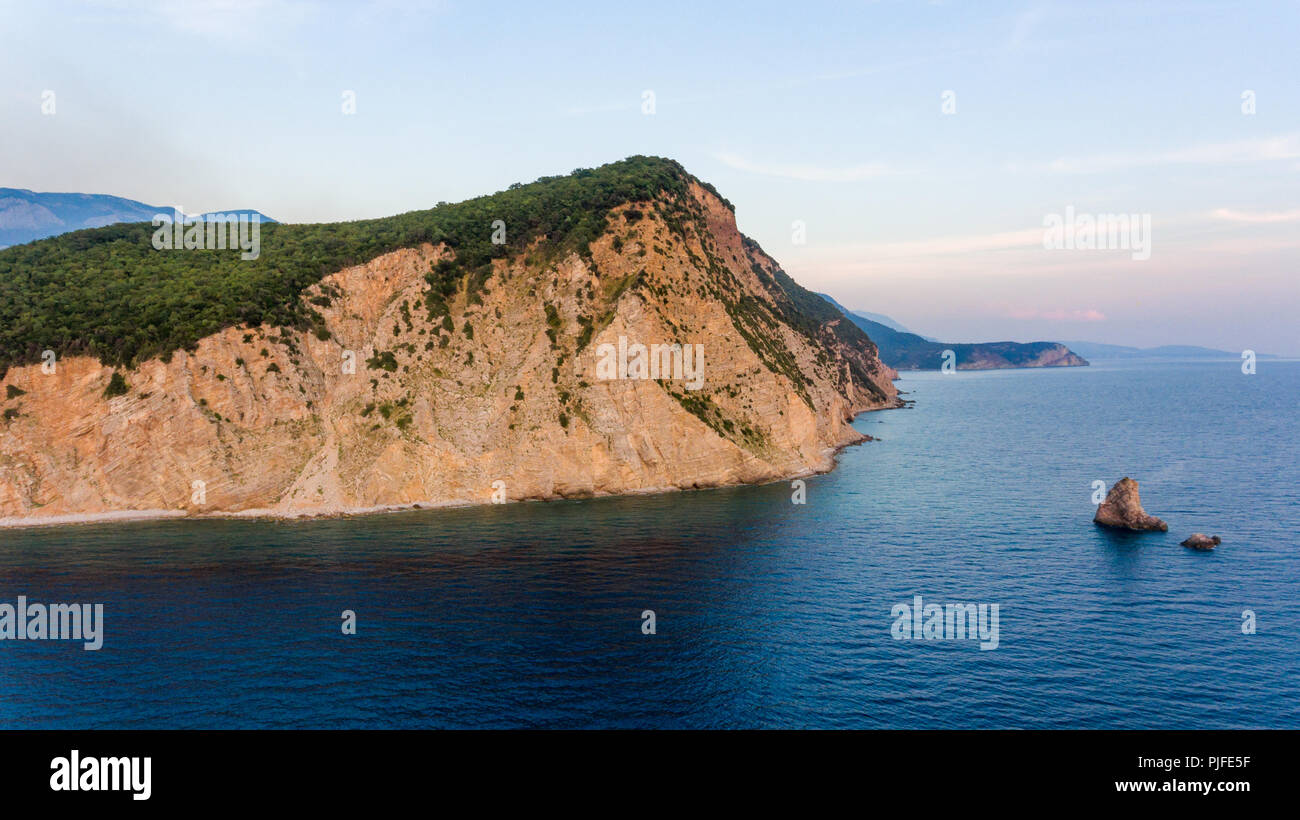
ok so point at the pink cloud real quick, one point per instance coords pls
(1059, 315)
(1257, 217)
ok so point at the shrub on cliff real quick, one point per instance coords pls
(117, 386)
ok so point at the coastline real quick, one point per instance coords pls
(271, 514)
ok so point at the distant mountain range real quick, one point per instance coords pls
(878, 318)
(26, 216)
(1096, 350)
(902, 349)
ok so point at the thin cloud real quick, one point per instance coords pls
(805, 173)
(1268, 149)
(1024, 26)
(1258, 217)
(1058, 314)
(882, 68)
(255, 20)
(734, 91)
(228, 21)
(608, 108)
(1028, 238)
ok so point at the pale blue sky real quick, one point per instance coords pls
(825, 113)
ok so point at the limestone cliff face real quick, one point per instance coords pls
(500, 395)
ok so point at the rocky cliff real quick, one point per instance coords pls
(425, 377)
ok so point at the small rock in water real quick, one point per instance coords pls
(1123, 509)
(1200, 541)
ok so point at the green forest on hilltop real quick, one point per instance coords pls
(106, 292)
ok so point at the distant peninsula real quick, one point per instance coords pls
(1096, 350)
(904, 350)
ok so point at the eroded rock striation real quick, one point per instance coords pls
(419, 380)
(1122, 509)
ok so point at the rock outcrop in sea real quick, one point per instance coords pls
(1201, 541)
(1122, 509)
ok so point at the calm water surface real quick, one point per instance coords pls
(769, 614)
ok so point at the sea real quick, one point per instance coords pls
(738, 607)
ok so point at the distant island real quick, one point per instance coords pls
(1096, 350)
(26, 216)
(904, 350)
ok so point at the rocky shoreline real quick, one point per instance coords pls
(270, 514)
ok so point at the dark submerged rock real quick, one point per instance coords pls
(1201, 541)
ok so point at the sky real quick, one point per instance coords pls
(906, 157)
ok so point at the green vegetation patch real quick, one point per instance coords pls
(106, 292)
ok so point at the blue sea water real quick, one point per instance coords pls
(768, 613)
